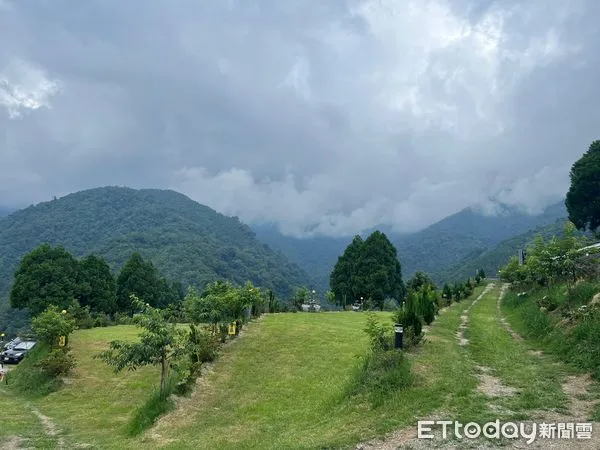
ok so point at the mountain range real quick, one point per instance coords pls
(194, 244)
(440, 249)
(187, 242)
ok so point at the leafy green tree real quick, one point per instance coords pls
(418, 280)
(140, 278)
(51, 324)
(512, 272)
(378, 272)
(97, 285)
(302, 296)
(252, 297)
(46, 276)
(219, 304)
(160, 344)
(582, 198)
(458, 291)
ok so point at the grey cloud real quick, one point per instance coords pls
(335, 116)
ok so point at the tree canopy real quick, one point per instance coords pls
(98, 285)
(369, 269)
(185, 240)
(141, 278)
(582, 199)
(46, 276)
(52, 276)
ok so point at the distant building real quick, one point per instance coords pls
(311, 306)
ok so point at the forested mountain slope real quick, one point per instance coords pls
(188, 242)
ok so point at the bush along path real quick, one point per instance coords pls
(497, 376)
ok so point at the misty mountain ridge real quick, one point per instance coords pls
(434, 249)
(439, 249)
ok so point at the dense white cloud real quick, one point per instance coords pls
(24, 87)
(332, 117)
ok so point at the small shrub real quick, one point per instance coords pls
(582, 293)
(547, 301)
(123, 319)
(390, 304)
(202, 346)
(412, 325)
(82, 315)
(51, 324)
(428, 311)
(101, 320)
(379, 375)
(58, 362)
(380, 336)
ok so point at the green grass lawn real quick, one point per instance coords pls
(95, 405)
(281, 385)
(17, 420)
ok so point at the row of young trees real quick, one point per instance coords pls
(460, 290)
(218, 311)
(553, 261)
(52, 276)
(424, 300)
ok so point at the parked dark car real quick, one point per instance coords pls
(17, 353)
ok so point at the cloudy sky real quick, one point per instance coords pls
(334, 115)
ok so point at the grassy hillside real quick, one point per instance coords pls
(187, 241)
(283, 384)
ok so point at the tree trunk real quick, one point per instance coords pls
(163, 376)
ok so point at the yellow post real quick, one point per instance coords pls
(62, 341)
(231, 329)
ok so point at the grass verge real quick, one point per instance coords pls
(30, 381)
(575, 341)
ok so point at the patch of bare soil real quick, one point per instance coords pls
(580, 407)
(12, 443)
(490, 385)
(50, 427)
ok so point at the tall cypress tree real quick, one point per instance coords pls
(368, 269)
(340, 280)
